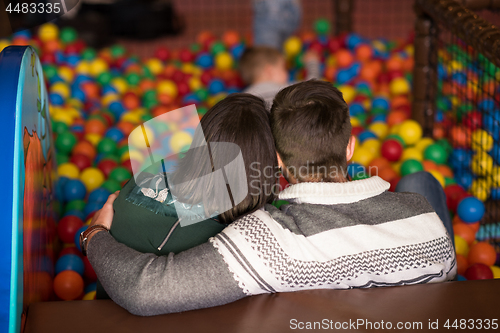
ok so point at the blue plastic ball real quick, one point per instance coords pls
(380, 102)
(461, 278)
(205, 60)
(74, 189)
(464, 179)
(70, 262)
(366, 135)
(91, 207)
(344, 76)
(76, 213)
(237, 50)
(99, 195)
(90, 287)
(355, 109)
(56, 99)
(115, 134)
(216, 86)
(117, 109)
(470, 210)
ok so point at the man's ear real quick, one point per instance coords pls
(350, 148)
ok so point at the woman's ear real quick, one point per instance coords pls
(280, 162)
(350, 148)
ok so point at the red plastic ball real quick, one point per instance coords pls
(131, 101)
(473, 120)
(186, 56)
(81, 161)
(333, 45)
(478, 272)
(67, 228)
(206, 77)
(392, 149)
(88, 272)
(182, 88)
(68, 285)
(162, 53)
(106, 166)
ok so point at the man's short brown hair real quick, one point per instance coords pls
(311, 127)
(254, 59)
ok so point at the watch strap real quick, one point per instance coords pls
(85, 234)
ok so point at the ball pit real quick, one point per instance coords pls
(99, 96)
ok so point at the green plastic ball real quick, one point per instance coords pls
(59, 127)
(133, 79)
(122, 150)
(411, 166)
(202, 94)
(449, 181)
(111, 185)
(61, 159)
(68, 35)
(75, 205)
(149, 95)
(436, 153)
(50, 71)
(448, 148)
(217, 47)
(322, 27)
(120, 174)
(104, 78)
(202, 110)
(65, 142)
(397, 137)
(118, 51)
(106, 146)
(195, 48)
(89, 54)
(111, 157)
(279, 203)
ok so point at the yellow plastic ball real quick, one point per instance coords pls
(155, 66)
(194, 83)
(410, 131)
(379, 45)
(120, 84)
(83, 67)
(438, 176)
(397, 167)
(482, 164)
(292, 46)
(461, 246)
(424, 143)
(89, 296)
(107, 99)
(167, 87)
(60, 88)
(348, 93)
(48, 31)
(68, 170)
(399, 86)
(223, 61)
(136, 155)
(179, 141)
(372, 145)
(132, 117)
(412, 153)
(62, 116)
(480, 189)
(93, 138)
(496, 272)
(481, 140)
(138, 137)
(98, 66)
(379, 128)
(212, 100)
(395, 129)
(355, 122)
(92, 178)
(66, 73)
(362, 156)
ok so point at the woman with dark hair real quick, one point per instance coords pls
(236, 126)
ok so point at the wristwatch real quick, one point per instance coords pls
(85, 235)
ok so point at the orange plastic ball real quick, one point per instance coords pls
(231, 38)
(68, 285)
(344, 58)
(445, 170)
(85, 148)
(125, 127)
(482, 253)
(396, 117)
(378, 163)
(429, 165)
(364, 52)
(462, 264)
(394, 63)
(459, 136)
(464, 231)
(95, 126)
(387, 174)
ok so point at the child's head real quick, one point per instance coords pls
(263, 64)
(312, 130)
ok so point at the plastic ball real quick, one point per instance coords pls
(462, 264)
(292, 46)
(91, 295)
(392, 149)
(120, 174)
(470, 210)
(423, 143)
(68, 285)
(482, 253)
(99, 195)
(478, 272)
(111, 185)
(410, 166)
(436, 153)
(216, 86)
(348, 92)
(482, 164)
(70, 262)
(496, 272)
(461, 246)
(465, 231)
(48, 32)
(74, 189)
(381, 129)
(65, 142)
(322, 27)
(68, 170)
(223, 61)
(410, 131)
(67, 227)
(399, 86)
(481, 140)
(92, 178)
(412, 153)
(362, 156)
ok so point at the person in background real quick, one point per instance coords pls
(275, 21)
(264, 70)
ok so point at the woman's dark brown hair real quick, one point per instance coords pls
(238, 121)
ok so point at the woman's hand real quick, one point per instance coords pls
(104, 216)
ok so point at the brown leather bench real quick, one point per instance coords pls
(409, 305)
